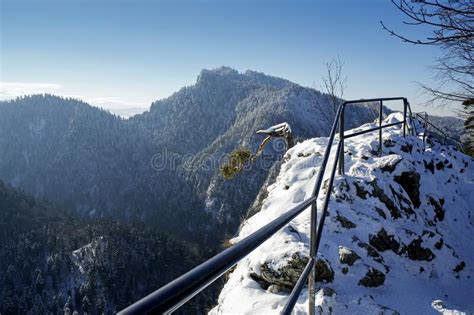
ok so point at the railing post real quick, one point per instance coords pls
(425, 127)
(341, 138)
(380, 130)
(404, 117)
(312, 254)
(411, 126)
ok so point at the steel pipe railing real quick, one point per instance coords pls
(342, 136)
(295, 293)
(316, 232)
(176, 293)
(442, 133)
(171, 296)
(358, 133)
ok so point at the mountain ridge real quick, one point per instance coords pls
(100, 165)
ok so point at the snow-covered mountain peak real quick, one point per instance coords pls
(224, 73)
(397, 239)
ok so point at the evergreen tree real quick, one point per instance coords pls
(469, 126)
(39, 283)
(68, 306)
(86, 305)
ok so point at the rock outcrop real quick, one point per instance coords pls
(398, 228)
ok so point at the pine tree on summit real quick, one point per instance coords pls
(240, 157)
(237, 160)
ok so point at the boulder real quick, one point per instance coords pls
(324, 272)
(326, 298)
(388, 143)
(373, 278)
(387, 201)
(410, 182)
(403, 203)
(438, 209)
(415, 251)
(390, 167)
(347, 256)
(407, 148)
(440, 166)
(429, 166)
(459, 267)
(382, 241)
(361, 192)
(283, 279)
(345, 222)
(380, 212)
(439, 244)
(341, 191)
(371, 252)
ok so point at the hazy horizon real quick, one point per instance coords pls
(124, 55)
(125, 111)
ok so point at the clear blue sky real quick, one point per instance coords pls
(129, 53)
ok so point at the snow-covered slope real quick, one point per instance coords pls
(89, 255)
(398, 237)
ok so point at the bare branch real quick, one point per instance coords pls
(452, 24)
(334, 84)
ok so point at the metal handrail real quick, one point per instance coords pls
(441, 134)
(179, 291)
(174, 294)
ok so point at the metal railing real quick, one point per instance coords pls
(171, 296)
(437, 133)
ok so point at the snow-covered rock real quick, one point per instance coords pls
(86, 256)
(403, 221)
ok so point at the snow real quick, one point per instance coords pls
(439, 306)
(411, 286)
(85, 256)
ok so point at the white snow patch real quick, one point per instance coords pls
(85, 256)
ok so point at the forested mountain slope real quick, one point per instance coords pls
(90, 162)
(162, 166)
(51, 262)
(221, 112)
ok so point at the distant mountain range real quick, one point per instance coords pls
(99, 165)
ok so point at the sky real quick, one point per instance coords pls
(122, 55)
